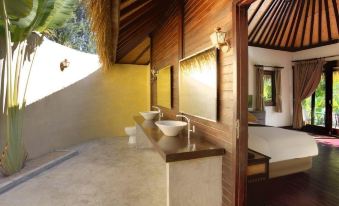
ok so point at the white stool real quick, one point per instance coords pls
(131, 132)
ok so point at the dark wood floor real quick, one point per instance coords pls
(317, 187)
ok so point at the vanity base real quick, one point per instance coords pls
(142, 140)
(196, 182)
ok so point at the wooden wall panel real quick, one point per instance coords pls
(200, 18)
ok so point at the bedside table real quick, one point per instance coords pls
(257, 176)
(258, 167)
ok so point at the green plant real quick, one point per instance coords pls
(19, 19)
(76, 32)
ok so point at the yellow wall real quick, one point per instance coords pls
(100, 105)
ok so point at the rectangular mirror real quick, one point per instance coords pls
(198, 85)
(164, 87)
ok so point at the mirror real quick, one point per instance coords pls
(164, 87)
(198, 85)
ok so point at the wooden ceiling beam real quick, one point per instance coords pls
(327, 14)
(256, 11)
(135, 38)
(141, 54)
(132, 7)
(284, 15)
(262, 19)
(336, 13)
(319, 19)
(305, 22)
(275, 22)
(297, 8)
(128, 32)
(312, 22)
(300, 14)
(286, 23)
(145, 10)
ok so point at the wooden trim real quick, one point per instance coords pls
(240, 85)
(181, 27)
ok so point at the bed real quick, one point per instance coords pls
(290, 151)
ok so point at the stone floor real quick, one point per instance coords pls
(105, 173)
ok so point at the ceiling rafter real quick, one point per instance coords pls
(328, 21)
(319, 19)
(301, 10)
(275, 22)
(293, 25)
(260, 22)
(336, 13)
(256, 11)
(281, 22)
(286, 23)
(312, 22)
(305, 22)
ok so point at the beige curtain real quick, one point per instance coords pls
(307, 75)
(278, 104)
(259, 96)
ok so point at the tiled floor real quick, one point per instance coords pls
(105, 173)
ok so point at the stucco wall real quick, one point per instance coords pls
(284, 59)
(274, 58)
(81, 103)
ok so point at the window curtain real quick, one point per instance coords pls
(307, 75)
(259, 96)
(278, 104)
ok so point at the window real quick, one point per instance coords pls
(269, 88)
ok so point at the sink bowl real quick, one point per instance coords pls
(171, 127)
(149, 115)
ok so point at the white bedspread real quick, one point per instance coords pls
(281, 144)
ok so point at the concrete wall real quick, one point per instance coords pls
(274, 58)
(81, 103)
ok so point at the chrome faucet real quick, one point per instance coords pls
(189, 130)
(160, 113)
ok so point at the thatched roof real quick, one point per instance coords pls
(293, 25)
(122, 28)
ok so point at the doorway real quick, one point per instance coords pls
(321, 110)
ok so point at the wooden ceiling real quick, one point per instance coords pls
(293, 25)
(138, 18)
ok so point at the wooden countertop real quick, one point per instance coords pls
(176, 148)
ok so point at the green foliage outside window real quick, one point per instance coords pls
(76, 32)
(320, 100)
(268, 88)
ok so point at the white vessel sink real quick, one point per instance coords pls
(171, 127)
(149, 115)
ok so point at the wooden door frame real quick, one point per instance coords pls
(240, 143)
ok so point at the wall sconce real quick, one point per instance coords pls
(64, 64)
(154, 74)
(219, 40)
